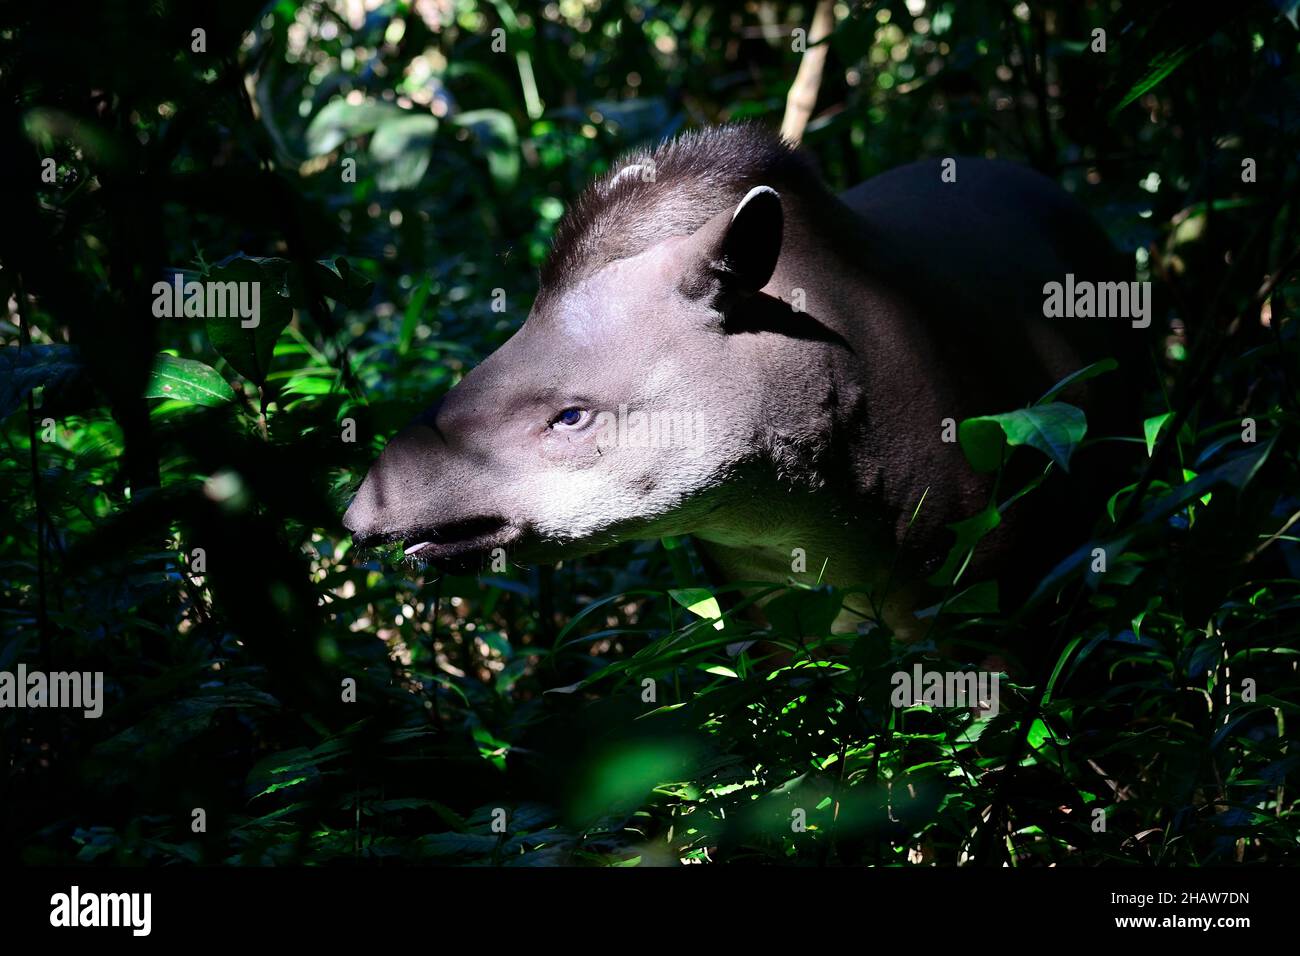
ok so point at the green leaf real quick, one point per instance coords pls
(969, 533)
(700, 602)
(411, 318)
(1055, 429)
(1085, 373)
(719, 670)
(188, 381)
(1112, 505)
(333, 278)
(281, 785)
(1164, 64)
(342, 283)
(403, 147)
(801, 612)
(679, 560)
(340, 120)
(979, 598)
(312, 382)
(1076, 564)
(1151, 429)
(1061, 661)
(497, 137)
(249, 350)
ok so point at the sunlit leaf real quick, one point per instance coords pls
(187, 380)
(1055, 429)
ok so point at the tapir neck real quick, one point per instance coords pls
(828, 509)
(778, 561)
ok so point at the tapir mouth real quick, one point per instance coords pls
(455, 539)
(459, 539)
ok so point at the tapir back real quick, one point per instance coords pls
(977, 252)
(971, 258)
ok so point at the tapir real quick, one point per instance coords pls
(721, 347)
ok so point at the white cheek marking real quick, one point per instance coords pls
(576, 505)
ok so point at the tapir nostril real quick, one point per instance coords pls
(364, 519)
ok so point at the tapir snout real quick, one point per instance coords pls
(400, 501)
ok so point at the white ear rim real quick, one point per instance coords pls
(756, 191)
(636, 169)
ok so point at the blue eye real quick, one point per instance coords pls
(570, 417)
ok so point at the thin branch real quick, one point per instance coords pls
(802, 98)
(1276, 536)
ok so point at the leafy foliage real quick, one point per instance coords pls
(172, 489)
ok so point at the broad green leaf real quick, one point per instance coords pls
(188, 381)
(1055, 429)
(249, 350)
(403, 147)
(804, 612)
(340, 120)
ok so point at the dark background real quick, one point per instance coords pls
(130, 441)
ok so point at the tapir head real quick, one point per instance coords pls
(619, 410)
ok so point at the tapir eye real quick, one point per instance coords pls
(570, 418)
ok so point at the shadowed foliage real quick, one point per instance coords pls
(172, 488)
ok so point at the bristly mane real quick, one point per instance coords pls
(696, 176)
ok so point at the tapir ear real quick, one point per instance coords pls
(734, 254)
